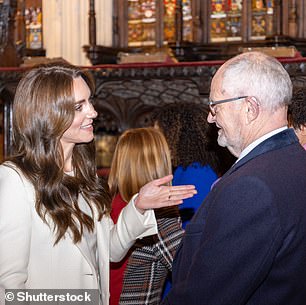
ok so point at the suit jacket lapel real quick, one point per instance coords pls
(277, 141)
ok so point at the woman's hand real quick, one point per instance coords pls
(156, 194)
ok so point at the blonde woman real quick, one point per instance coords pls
(142, 155)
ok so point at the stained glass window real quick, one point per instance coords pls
(141, 22)
(262, 19)
(226, 19)
(169, 20)
(142, 18)
(187, 20)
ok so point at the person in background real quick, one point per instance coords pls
(55, 228)
(246, 244)
(195, 156)
(141, 155)
(297, 114)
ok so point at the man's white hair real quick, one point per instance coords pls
(259, 75)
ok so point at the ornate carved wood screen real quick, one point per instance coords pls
(126, 95)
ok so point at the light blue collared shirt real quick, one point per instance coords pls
(259, 140)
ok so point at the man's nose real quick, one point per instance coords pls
(210, 118)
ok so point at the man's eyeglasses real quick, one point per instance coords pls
(212, 103)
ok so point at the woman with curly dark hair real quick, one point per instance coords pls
(195, 155)
(297, 114)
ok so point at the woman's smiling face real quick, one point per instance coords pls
(81, 129)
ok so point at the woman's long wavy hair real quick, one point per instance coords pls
(43, 110)
(141, 155)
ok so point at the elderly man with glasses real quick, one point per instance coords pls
(246, 244)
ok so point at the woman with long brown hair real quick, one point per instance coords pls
(55, 228)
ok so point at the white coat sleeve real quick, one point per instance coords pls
(15, 230)
(130, 226)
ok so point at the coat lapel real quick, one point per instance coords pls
(84, 249)
(277, 141)
(103, 228)
(83, 244)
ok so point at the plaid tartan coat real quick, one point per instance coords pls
(151, 259)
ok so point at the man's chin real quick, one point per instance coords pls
(221, 141)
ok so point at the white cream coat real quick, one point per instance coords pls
(28, 257)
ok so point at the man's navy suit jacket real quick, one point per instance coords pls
(247, 242)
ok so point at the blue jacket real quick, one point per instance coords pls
(200, 176)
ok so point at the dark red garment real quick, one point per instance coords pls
(139, 278)
(117, 269)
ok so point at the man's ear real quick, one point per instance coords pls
(252, 109)
(303, 129)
